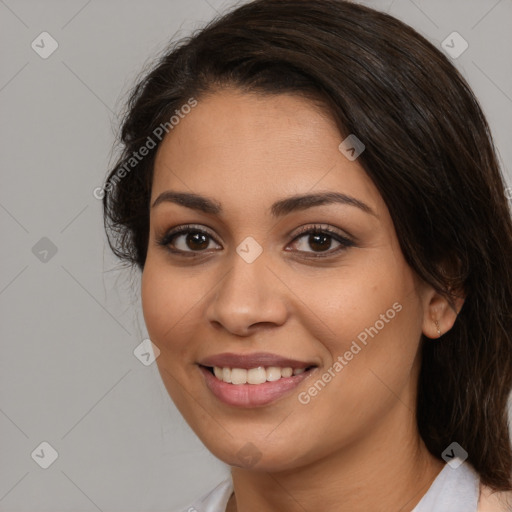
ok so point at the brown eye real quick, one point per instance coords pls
(320, 242)
(317, 240)
(197, 241)
(186, 240)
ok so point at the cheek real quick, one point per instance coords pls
(355, 303)
(168, 301)
(374, 326)
(371, 320)
(168, 307)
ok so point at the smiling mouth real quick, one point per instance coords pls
(255, 376)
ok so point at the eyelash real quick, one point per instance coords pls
(316, 229)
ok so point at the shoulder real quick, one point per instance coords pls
(492, 501)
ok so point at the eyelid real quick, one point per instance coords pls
(327, 228)
(342, 237)
(344, 240)
(181, 229)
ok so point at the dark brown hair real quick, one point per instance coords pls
(429, 152)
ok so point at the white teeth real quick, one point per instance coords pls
(238, 376)
(273, 373)
(226, 374)
(287, 372)
(257, 375)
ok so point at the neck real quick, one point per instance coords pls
(389, 468)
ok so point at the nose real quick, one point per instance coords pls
(249, 298)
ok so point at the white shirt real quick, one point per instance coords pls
(453, 490)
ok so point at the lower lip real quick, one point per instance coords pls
(252, 395)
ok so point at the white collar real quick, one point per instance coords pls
(453, 490)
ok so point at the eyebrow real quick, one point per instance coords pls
(278, 209)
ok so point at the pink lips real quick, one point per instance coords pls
(252, 395)
(231, 360)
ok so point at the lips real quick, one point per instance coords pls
(255, 394)
(251, 395)
(248, 361)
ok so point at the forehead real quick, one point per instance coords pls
(249, 149)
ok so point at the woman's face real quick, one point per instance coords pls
(344, 304)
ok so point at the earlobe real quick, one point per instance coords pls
(438, 328)
(439, 315)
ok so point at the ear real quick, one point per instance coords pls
(438, 315)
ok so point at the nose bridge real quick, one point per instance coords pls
(248, 293)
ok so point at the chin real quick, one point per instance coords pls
(257, 455)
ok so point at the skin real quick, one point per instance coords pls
(355, 443)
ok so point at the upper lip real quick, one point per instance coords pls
(247, 361)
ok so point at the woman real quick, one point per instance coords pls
(311, 192)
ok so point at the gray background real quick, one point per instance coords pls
(70, 323)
